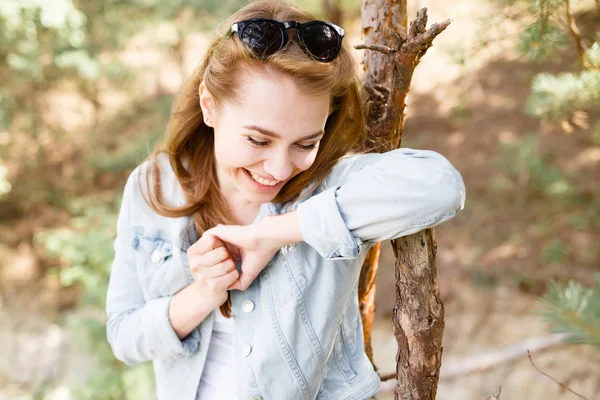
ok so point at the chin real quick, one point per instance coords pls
(258, 198)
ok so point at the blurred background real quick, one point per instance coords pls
(510, 93)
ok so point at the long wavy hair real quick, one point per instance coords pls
(189, 142)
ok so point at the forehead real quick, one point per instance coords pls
(272, 100)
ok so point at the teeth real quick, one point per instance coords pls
(262, 181)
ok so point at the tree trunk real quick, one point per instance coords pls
(393, 53)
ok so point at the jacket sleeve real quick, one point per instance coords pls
(374, 197)
(137, 330)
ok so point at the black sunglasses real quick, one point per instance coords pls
(319, 39)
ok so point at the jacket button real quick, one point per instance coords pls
(155, 256)
(246, 350)
(255, 397)
(248, 306)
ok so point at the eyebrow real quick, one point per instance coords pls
(267, 132)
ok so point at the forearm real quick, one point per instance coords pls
(280, 230)
(380, 197)
(187, 310)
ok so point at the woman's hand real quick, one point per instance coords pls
(213, 269)
(243, 244)
(256, 244)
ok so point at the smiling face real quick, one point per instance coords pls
(264, 138)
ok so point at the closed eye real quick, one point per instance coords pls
(307, 147)
(257, 142)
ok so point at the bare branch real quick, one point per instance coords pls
(452, 369)
(375, 47)
(560, 383)
(387, 377)
(418, 25)
(434, 30)
(576, 35)
(481, 362)
(420, 38)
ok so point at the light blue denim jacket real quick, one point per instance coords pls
(303, 338)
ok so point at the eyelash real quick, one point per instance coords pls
(257, 143)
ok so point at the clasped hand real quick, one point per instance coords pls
(212, 258)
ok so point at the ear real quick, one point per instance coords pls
(207, 104)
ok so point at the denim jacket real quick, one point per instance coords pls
(298, 333)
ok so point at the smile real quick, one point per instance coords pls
(264, 182)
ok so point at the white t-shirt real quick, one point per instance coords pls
(218, 381)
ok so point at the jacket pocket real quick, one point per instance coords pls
(287, 269)
(343, 357)
(153, 255)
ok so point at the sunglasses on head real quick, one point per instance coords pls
(319, 39)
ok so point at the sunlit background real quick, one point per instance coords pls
(510, 93)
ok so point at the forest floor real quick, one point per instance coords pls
(494, 259)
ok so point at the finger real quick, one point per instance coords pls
(220, 269)
(237, 285)
(228, 233)
(206, 243)
(246, 279)
(226, 280)
(225, 233)
(243, 282)
(208, 260)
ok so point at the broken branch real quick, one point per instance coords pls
(375, 47)
(560, 383)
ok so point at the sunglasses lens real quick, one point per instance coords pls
(262, 37)
(321, 41)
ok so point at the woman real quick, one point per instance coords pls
(240, 242)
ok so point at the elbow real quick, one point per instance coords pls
(450, 193)
(116, 341)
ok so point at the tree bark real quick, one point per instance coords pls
(393, 53)
(418, 317)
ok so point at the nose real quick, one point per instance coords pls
(279, 165)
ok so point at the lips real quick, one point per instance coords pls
(265, 182)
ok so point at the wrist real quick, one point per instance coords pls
(277, 231)
(195, 303)
(187, 310)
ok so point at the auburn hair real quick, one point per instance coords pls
(189, 142)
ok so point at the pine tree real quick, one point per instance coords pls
(574, 309)
(571, 308)
(555, 97)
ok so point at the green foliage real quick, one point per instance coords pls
(532, 170)
(134, 150)
(54, 45)
(541, 39)
(574, 309)
(555, 96)
(555, 252)
(84, 248)
(33, 33)
(593, 55)
(83, 251)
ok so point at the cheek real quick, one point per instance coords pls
(306, 160)
(236, 155)
(232, 151)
